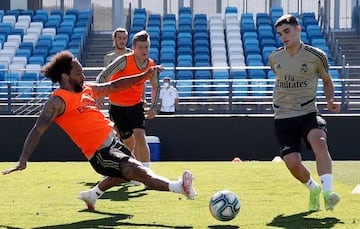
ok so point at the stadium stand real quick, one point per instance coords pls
(235, 44)
(28, 39)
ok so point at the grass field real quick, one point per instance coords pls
(45, 196)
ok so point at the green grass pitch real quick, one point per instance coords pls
(45, 196)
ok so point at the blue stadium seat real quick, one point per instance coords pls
(5, 29)
(68, 30)
(259, 88)
(185, 10)
(27, 12)
(167, 57)
(25, 89)
(57, 12)
(220, 74)
(42, 52)
(308, 18)
(184, 50)
(167, 73)
(275, 13)
(231, 10)
(251, 49)
(271, 75)
(256, 74)
(12, 76)
(40, 16)
(30, 76)
(184, 88)
(201, 50)
(238, 74)
(74, 12)
(185, 75)
(202, 74)
(7, 88)
(3, 70)
(65, 37)
(37, 60)
(202, 88)
(240, 88)
(14, 12)
(184, 60)
(263, 19)
(43, 88)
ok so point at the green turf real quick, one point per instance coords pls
(45, 196)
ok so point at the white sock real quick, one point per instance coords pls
(175, 186)
(146, 164)
(327, 182)
(311, 184)
(96, 191)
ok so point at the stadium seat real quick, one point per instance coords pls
(43, 88)
(37, 60)
(20, 60)
(240, 88)
(24, 89)
(202, 74)
(185, 75)
(220, 74)
(184, 88)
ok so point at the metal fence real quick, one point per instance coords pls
(227, 96)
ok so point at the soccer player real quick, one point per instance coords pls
(120, 38)
(74, 109)
(297, 67)
(127, 106)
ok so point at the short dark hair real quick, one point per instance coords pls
(287, 19)
(60, 63)
(141, 36)
(120, 30)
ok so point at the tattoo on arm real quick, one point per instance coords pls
(53, 107)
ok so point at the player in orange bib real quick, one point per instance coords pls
(127, 106)
(74, 109)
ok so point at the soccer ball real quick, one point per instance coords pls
(224, 205)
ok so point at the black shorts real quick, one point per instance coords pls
(108, 160)
(127, 118)
(290, 131)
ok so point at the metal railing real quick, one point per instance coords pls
(240, 96)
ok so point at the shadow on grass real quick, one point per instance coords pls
(223, 227)
(298, 221)
(9, 227)
(122, 193)
(113, 220)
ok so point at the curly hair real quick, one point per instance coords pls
(60, 63)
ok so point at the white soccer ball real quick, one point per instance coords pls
(224, 205)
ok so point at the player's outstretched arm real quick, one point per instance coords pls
(53, 107)
(123, 82)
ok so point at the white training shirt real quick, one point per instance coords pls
(168, 97)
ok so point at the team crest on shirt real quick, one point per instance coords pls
(304, 68)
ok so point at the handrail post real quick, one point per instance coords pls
(230, 95)
(8, 108)
(344, 91)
